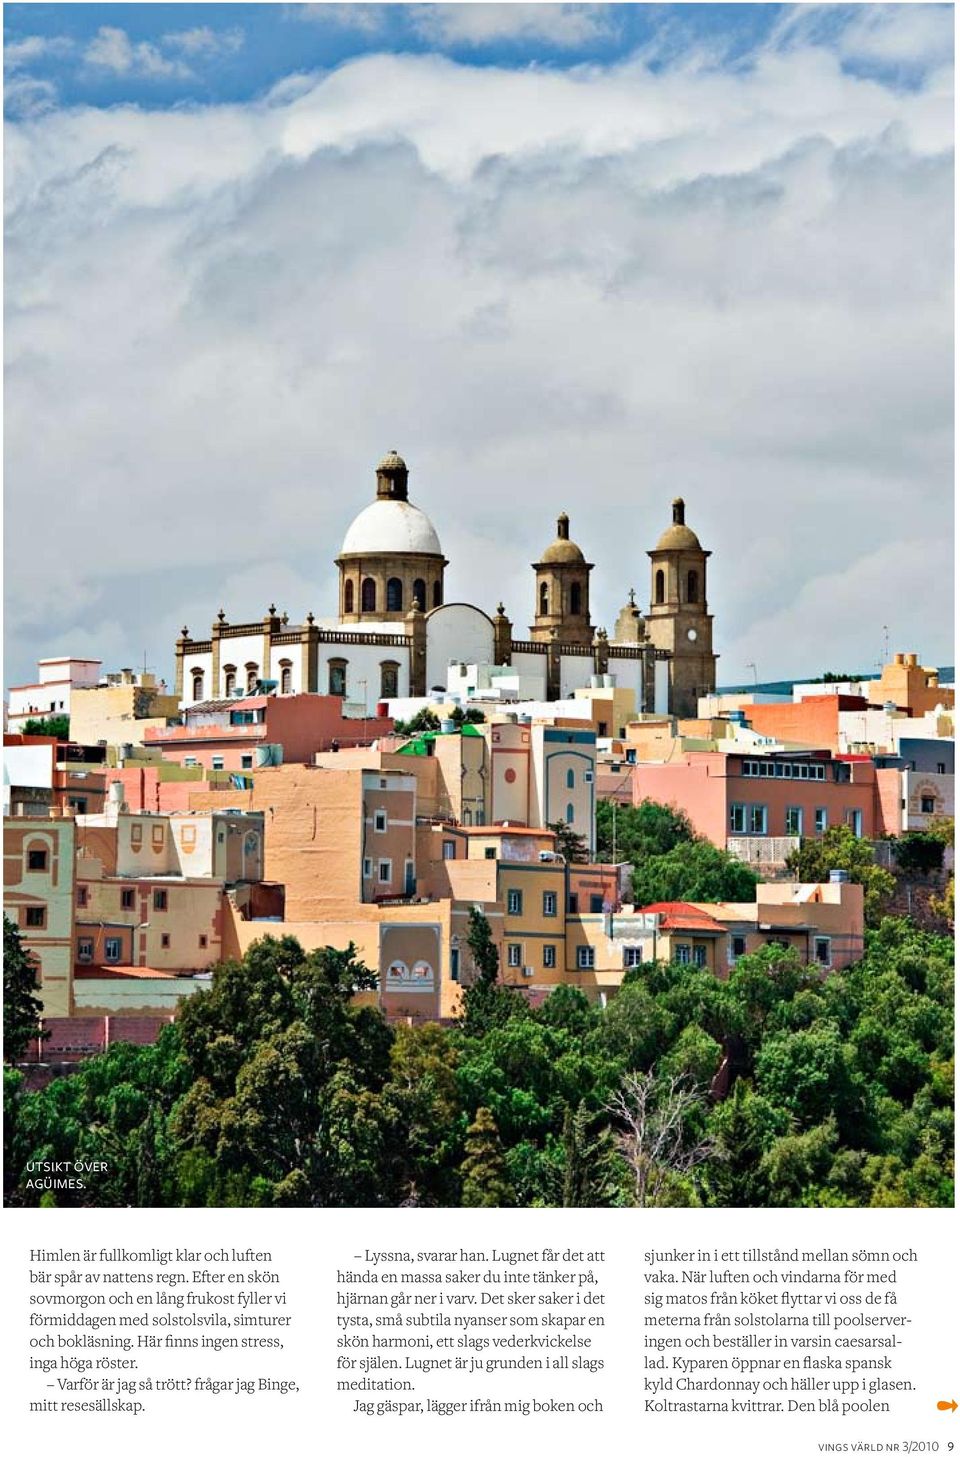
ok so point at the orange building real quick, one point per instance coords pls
(238, 734)
(909, 686)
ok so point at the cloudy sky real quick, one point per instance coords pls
(562, 257)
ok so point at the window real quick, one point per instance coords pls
(738, 946)
(230, 682)
(596, 905)
(549, 957)
(738, 819)
(136, 835)
(576, 600)
(158, 836)
(197, 674)
(821, 950)
(515, 902)
(699, 955)
(165, 940)
(368, 869)
(368, 595)
(190, 762)
(394, 594)
(490, 853)
(85, 948)
(794, 820)
(36, 917)
(544, 599)
(585, 958)
(854, 818)
(253, 672)
(449, 850)
(570, 813)
(941, 768)
(570, 779)
(380, 821)
(454, 963)
(420, 594)
(681, 955)
(126, 900)
(693, 586)
(632, 956)
(286, 677)
(758, 819)
(337, 669)
(112, 948)
(246, 761)
(820, 820)
(928, 804)
(549, 902)
(385, 872)
(347, 597)
(514, 954)
(81, 895)
(658, 587)
(159, 900)
(202, 942)
(36, 859)
(573, 904)
(389, 680)
(80, 805)
(438, 594)
(217, 761)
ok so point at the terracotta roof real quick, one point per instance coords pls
(682, 916)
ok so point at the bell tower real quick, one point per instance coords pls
(562, 607)
(678, 620)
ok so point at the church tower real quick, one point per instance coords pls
(391, 560)
(678, 620)
(563, 592)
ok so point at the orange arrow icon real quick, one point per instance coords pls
(946, 1406)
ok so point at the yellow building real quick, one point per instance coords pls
(909, 686)
(38, 896)
(121, 710)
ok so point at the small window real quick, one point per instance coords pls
(85, 948)
(79, 805)
(36, 859)
(576, 600)
(514, 902)
(385, 872)
(449, 850)
(368, 595)
(126, 900)
(82, 894)
(699, 955)
(380, 821)
(286, 680)
(570, 814)
(573, 904)
(394, 594)
(738, 946)
(570, 779)
(821, 950)
(544, 599)
(794, 822)
(389, 680)
(348, 597)
(549, 957)
(438, 594)
(490, 852)
(420, 594)
(368, 869)
(158, 836)
(36, 917)
(738, 819)
(632, 956)
(246, 761)
(337, 680)
(549, 903)
(216, 761)
(941, 768)
(454, 963)
(202, 941)
(928, 804)
(820, 820)
(596, 905)
(136, 835)
(586, 958)
(112, 948)
(659, 586)
(681, 955)
(758, 819)
(198, 685)
(159, 900)
(230, 683)
(190, 762)
(693, 586)
(165, 940)
(514, 954)
(253, 672)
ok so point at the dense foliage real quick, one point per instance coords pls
(670, 861)
(57, 726)
(840, 849)
(774, 1088)
(21, 1005)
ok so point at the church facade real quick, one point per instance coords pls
(397, 636)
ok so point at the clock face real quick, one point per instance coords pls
(691, 634)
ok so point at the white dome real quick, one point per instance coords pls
(387, 527)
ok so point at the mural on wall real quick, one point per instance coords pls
(410, 969)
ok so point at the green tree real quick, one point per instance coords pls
(423, 721)
(571, 845)
(694, 870)
(649, 828)
(838, 848)
(484, 1174)
(917, 853)
(57, 726)
(22, 1007)
(486, 1002)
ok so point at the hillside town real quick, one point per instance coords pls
(381, 780)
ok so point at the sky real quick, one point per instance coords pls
(561, 257)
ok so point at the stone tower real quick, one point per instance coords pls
(563, 592)
(678, 620)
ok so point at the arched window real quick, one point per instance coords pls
(658, 590)
(576, 599)
(253, 673)
(389, 680)
(420, 594)
(394, 595)
(437, 594)
(368, 595)
(229, 679)
(569, 814)
(693, 586)
(197, 685)
(544, 599)
(570, 780)
(338, 677)
(348, 597)
(286, 675)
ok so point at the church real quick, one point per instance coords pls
(397, 636)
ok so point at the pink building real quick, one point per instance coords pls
(226, 733)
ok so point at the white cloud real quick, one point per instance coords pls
(28, 95)
(480, 25)
(906, 36)
(17, 53)
(202, 41)
(112, 50)
(368, 19)
(587, 291)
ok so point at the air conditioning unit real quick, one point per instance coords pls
(528, 971)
